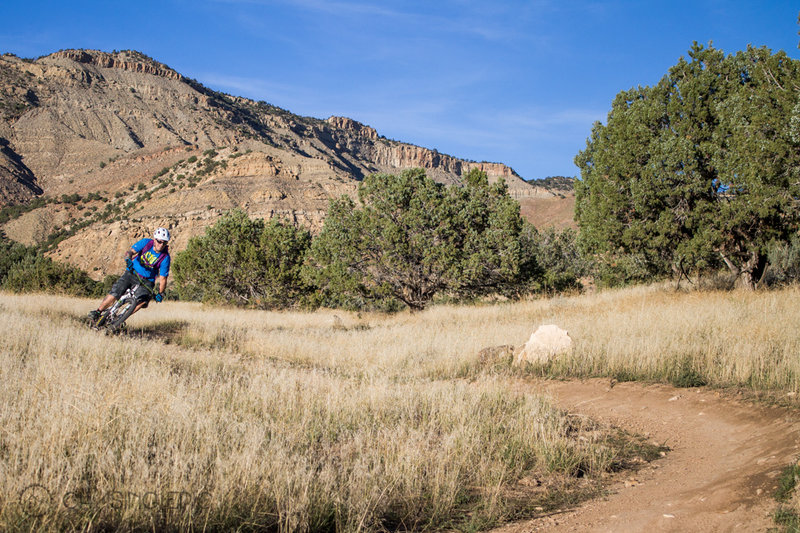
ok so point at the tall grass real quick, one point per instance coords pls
(719, 338)
(203, 418)
(725, 339)
(223, 430)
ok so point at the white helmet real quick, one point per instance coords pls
(161, 234)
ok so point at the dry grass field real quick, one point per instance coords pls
(215, 419)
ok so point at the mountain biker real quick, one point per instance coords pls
(150, 259)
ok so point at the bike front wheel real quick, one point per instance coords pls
(121, 314)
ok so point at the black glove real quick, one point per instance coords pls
(128, 264)
(159, 297)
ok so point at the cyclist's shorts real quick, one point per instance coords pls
(129, 280)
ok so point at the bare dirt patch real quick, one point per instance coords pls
(721, 474)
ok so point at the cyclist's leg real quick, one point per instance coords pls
(119, 287)
(143, 295)
(107, 302)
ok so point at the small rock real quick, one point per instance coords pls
(496, 354)
(669, 516)
(674, 398)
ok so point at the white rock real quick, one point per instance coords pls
(547, 341)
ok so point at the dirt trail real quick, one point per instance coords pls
(720, 475)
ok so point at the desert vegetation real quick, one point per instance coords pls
(406, 242)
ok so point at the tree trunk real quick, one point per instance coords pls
(751, 271)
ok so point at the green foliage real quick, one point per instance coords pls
(11, 212)
(24, 269)
(244, 262)
(784, 262)
(697, 171)
(489, 225)
(787, 516)
(788, 519)
(684, 374)
(412, 238)
(552, 261)
(71, 199)
(11, 253)
(787, 482)
(401, 243)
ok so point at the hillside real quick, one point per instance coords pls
(125, 143)
(557, 209)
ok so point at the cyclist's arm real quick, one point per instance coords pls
(130, 254)
(162, 283)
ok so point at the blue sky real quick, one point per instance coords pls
(511, 81)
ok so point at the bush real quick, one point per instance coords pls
(784, 263)
(11, 254)
(244, 262)
(37, 273)
(553, 261)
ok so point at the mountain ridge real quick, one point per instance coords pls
(129, 131)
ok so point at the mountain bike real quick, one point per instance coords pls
(113, 319)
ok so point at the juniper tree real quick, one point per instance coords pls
(409, 238)
(698, 170)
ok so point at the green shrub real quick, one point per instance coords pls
(553, 262)
(37, 273)
(784, 263)
(244, 262)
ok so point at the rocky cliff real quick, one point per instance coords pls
(121, 144)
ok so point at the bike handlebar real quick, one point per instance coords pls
(142, 282)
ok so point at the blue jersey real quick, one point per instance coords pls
(145, 263)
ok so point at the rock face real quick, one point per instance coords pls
(144, 146)
(17, 182)
(547, 341)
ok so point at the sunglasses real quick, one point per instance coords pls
(160, 242)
